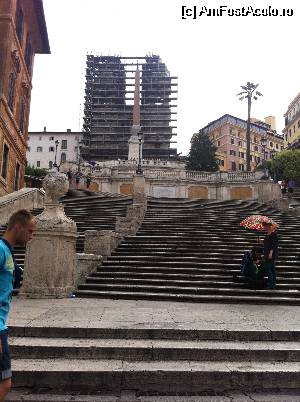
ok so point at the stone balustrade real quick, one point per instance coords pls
(160, 173)
(26, 198)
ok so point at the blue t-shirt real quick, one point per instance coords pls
(7, 268)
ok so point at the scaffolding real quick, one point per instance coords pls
(108, 107)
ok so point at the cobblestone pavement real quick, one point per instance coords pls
(131, 396)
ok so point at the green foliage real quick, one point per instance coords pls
(35, 172)
(286, 165)
(202, 155)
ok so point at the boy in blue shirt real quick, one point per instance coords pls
(20, 228)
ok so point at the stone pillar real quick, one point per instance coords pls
(139, 186)
(50, 260)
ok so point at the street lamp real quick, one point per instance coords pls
(139, 167)
(248, 92)
(272, 155)
(56, 145)
(80, 146)
(264, 142)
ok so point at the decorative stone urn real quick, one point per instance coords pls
(50, 260)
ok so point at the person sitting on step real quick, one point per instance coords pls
(251, 269)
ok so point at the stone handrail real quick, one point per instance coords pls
(27, 198)
(160, 173)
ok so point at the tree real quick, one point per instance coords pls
(35, 172)
(202, 155)
(286, 165)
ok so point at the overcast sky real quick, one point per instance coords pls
(212, 57)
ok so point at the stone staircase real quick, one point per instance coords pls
(90, 211)
(153, 359)
(188, 250)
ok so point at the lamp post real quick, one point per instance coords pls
(80, 145)
(56, 145)
(272, 154)
(248, 92)
(263, 142)
(139, 167)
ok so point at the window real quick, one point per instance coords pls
(287, 135)
(232, 152)
(51, 138)
(231, 131)
(39, 149)
(255, 148)
(40, 138)
(75, 149)
(22, 118)
(28, 54)
(239, 134)
(294, 128)
(240, 143)
(63, 157)
(232, 140)
(298, 123)
(38, 163)
(271, 144)
(64, 144)
(19, 23)
(233, 166)
(4, 161)
(255, 139)
(276, 146)
(241, 155)
(290, 132)
(28, 149)
(51, 149)
(11, 91)
(219, 143)
(17, 176)
(241, 167)
(50, 165)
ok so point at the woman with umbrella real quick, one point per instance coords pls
(270, 242)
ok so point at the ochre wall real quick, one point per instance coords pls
(241, 193)
(126, 188)
(198, 192)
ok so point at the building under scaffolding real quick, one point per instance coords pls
(108, 111)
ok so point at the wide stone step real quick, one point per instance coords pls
(182, 283)
(152, 350)
(184, 297)
(125, 273)
(154, 375)
(192, 290)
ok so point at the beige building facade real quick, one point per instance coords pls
(292, 124)
(228, 133)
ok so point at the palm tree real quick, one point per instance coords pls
(248, 93)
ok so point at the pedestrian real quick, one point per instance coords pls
(290, 187)
(283, 187)
(69, 175)
(77, 179)
(88, 180)
(270, 242)
(20, 228)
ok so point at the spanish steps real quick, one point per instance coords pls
(185, 250)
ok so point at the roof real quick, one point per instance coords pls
(40, 15)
